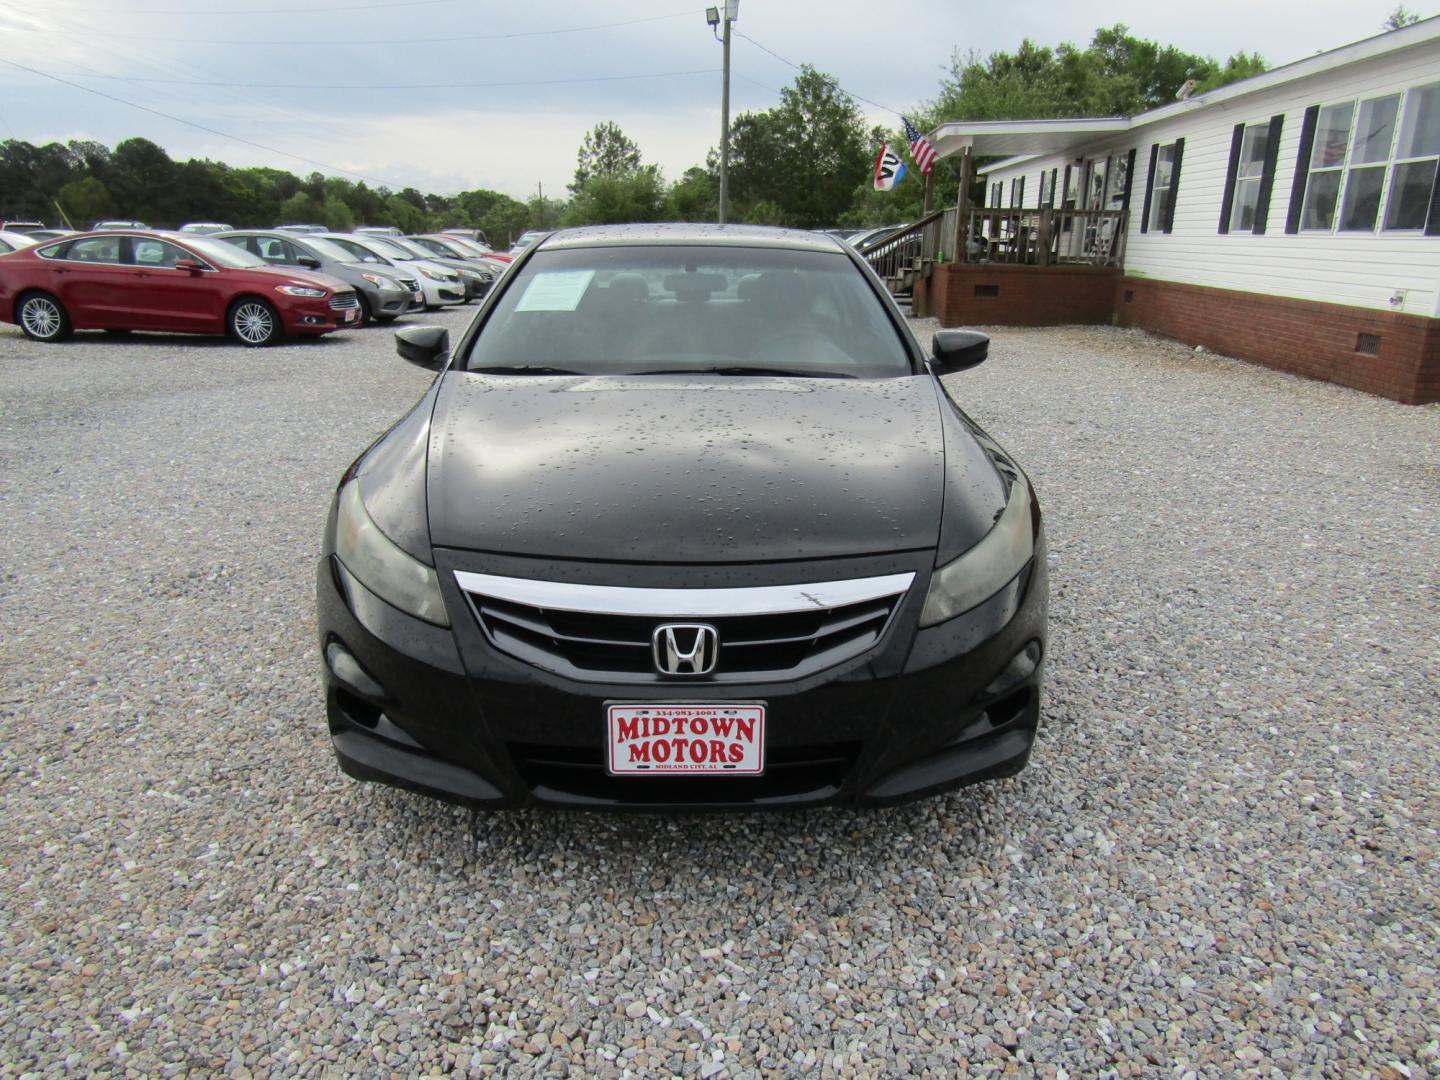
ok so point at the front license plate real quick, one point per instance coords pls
(419, 298)
(350, 315)
(686, 740)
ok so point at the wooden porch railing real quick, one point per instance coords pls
(1047, 237)
(906, 255)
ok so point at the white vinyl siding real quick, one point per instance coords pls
(1364, 269)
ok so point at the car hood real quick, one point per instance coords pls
(300, 277)
(685, 469)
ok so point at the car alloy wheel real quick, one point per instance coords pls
(42, 318)
(254, 322)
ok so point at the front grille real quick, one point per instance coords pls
(600, 634)
(342, 300)
(791, 772)
(410, 283)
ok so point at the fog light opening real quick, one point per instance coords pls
(1021, 666)
(347, 669)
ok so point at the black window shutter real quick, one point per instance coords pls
(1432, 219)
(1129, 179)
(1174, 185)
(1020, 201)
(1267, 177)
(1053, 174)
(1302, 169)
(1237, 139)
(1149, 188)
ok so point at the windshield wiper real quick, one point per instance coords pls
(742, 369)
(527, 369)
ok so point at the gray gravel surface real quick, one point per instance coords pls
(1223, 858)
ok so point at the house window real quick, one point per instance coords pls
(1370, 148)
(1119, 181)
(1163, 189)
(1044, 176)
(996, 193)
(1327, 160)
(1417, 157)
(1248, 173)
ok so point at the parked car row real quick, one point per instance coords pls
(124, 276)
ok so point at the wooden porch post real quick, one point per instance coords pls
(929, 190)
(961, 244)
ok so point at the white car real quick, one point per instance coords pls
(14, 241)
(441, 285)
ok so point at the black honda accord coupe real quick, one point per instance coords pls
(687, 520)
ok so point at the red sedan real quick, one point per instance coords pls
(160, 281)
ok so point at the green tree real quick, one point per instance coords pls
(804, 156)
(605, 151)
(403, 214)
(142, 182)
(85, 199)
(694, 197)
(337, 214)
(299, 209)
(614, 200)
(1117, 74)
(1400, 18)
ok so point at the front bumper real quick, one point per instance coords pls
(441, 712)
(307, 315)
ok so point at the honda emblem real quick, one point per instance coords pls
(685, 648)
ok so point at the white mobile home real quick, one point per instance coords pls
(1292, 218)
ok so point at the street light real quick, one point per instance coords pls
(712, 19)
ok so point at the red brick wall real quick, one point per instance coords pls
(1300, 336)
(989, 294)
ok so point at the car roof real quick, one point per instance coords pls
(688, 233)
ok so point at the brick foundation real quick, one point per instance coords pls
(1387, 353)
(995, 294)
(1320, 341)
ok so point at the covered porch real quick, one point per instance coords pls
(1069, 233)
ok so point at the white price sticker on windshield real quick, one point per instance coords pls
(555, 290)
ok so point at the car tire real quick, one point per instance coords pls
(43, 317)
(385, 318)
(254, 322)
(367, 314)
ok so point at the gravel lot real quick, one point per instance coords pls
(1223, 858)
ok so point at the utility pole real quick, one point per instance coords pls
(712, 16)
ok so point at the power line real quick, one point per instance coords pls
(400, 86)
(798, 67)
(285, 10)
(193, 124)
(357, 41)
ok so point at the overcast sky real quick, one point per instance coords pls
(656, 73)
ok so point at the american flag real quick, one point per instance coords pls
(920, 149)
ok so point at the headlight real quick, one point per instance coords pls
(299, 290)
(432, 275)
(381, 566)
(470, 274)
(982, 571)
(381, 282)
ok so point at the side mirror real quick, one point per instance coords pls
(310, 262)
(193, 265)
(956, 350)
(428, 346)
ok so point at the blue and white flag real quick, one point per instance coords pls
(889, 169)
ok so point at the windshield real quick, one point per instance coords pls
(222, 254)
(393, 248)
(328, 251)
(466, 247)
(662, 309)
